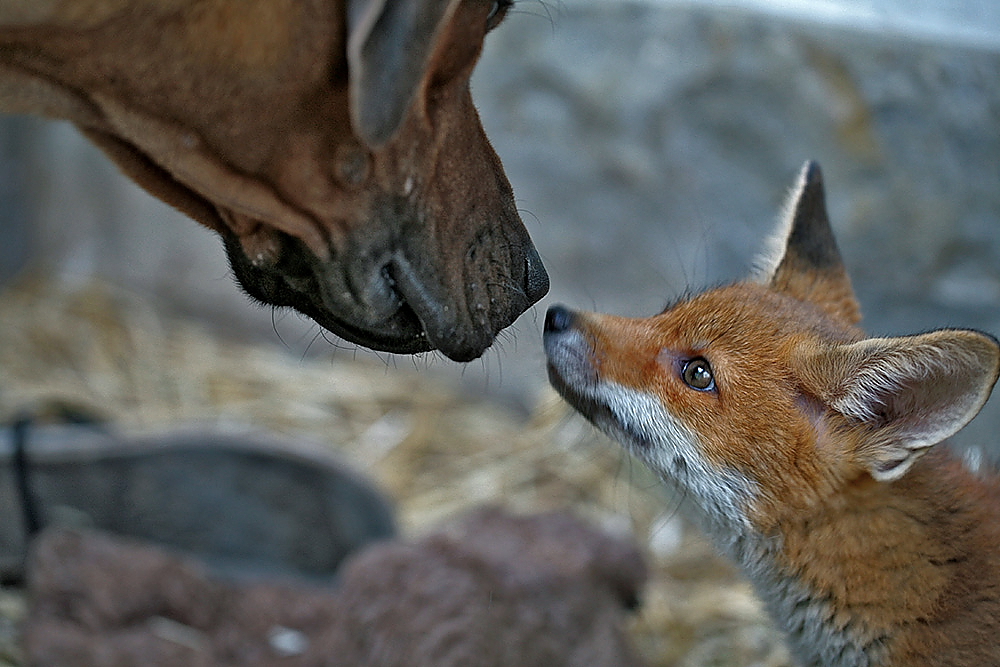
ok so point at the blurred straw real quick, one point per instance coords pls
(433, 449)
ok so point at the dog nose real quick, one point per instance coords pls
(536, 280)
(558, 319)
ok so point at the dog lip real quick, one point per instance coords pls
(300, 285)
(383, 301)
(411, 343)
(441, 323)
(375, 292)
(403, 315)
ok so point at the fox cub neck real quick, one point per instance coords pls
(809, 449)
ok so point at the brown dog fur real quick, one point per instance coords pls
(333, 144)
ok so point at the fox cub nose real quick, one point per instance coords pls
(558, 319)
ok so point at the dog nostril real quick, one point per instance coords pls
(558, 319)
(536, 280)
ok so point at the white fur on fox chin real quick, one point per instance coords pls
(671, 449)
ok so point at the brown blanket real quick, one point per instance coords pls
(494, 590)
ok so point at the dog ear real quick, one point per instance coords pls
(389, 45)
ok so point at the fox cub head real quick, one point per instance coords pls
(764, 397)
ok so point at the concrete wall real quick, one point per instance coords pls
(650, 144)
(654, 142)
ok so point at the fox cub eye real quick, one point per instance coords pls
(697, 374)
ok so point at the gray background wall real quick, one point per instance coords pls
(650, 144)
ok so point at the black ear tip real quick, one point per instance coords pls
(812, 175)
(810, 195)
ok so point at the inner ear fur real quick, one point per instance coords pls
(804, 261)
(905, 394)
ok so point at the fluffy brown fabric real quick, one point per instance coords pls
(493, 590)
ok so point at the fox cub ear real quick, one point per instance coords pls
(805, 262)
(907, 394)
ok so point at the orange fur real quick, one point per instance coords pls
(810, 456)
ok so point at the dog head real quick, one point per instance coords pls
(423, 248)
(333, 144)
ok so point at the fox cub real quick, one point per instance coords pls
(808, 449)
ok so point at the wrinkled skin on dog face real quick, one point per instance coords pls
(335, 149)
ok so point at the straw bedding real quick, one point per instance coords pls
(435, 450)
